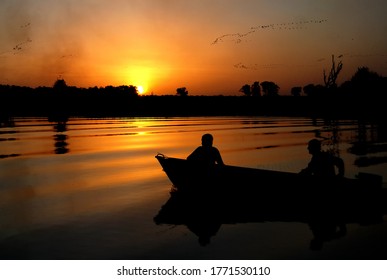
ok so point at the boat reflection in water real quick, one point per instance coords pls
(204, 201)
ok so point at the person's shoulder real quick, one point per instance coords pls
(330, 156)
(215, 149)
(195, 152)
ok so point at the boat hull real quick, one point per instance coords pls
(274, 190)
(185, 175)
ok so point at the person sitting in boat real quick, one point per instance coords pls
(322, 163)
(207, 153)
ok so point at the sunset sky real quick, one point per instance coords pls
(208, 46)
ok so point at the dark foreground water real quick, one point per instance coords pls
(90, 188)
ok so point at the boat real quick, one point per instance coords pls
(204, 198)
(185, 175)
(293, 191)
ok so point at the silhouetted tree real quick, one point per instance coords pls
(182, 91)
(330, 80)
(365, 84)
(128, 90)
(60, 85)
(308, 89)
(312, 90)
(296, 91)
(365, 81)
(246, 89)
(270, 88)
(255, 89)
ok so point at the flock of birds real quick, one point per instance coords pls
(239, 37)
(22, 45)
(295, 25)
(233, 37)
(256, 66)
(18, 48)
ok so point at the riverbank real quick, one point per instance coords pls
(121, 105)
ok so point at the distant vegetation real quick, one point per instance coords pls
(360, 97)
(363, 84)
(182, 91)
(268, 89)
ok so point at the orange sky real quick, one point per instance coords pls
(165, 44)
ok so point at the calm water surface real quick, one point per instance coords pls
(89, 188)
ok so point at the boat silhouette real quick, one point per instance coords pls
(204, 200)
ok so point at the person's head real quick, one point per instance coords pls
(207, 140)
(314, 146)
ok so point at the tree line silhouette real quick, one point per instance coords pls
(364, 84)
(359, 97)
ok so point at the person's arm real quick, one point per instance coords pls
(340, 166)
(218, 157)
(307, 170)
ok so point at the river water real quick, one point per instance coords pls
(89, 188)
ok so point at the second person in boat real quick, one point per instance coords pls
(323, 163)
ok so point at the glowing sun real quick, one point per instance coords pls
(140, 89)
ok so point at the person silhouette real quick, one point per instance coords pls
(206, 153)
(322, 163)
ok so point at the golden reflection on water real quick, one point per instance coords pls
(109, 165)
